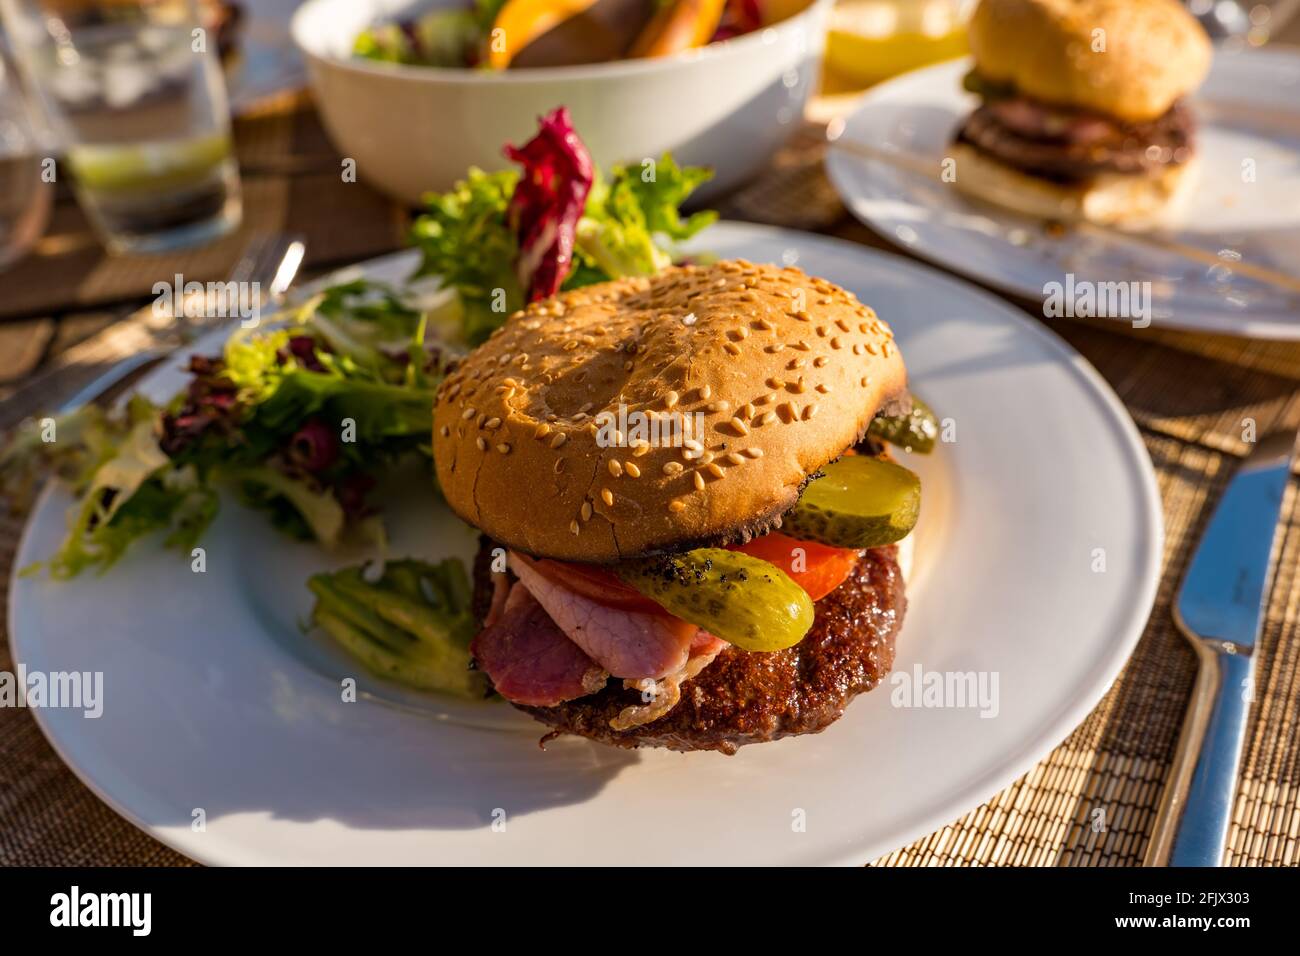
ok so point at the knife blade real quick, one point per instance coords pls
(1219, 609)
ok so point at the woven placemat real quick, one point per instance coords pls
(1093, 800)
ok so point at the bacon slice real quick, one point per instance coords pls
(529, 660)
(661, 696)
(628, 644)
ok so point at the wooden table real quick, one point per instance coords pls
(61, 319)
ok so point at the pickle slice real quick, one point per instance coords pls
(915, 431)
(742, 599)
(858, 502)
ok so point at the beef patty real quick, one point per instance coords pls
(1073, 146)
(750, 697)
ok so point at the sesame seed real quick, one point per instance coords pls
(803, 316)
(615, 468)
(747, 410)
(886, 350)
(754, 452)
(573, 527)
(706, 458)
(767, 418)
(451, 392)
(795, 363)
(775, 383)
(445, 431)
(671, 399)
(837, 343)
(820, 361)
(481, 420)
(468, 413)
(676, 505)
(764, 399)
(872, 348)
(809, 411)
(632, 470)
(774, 348)
(542, 430)
(641, 447)
(691, 444)
(731, 348)
(765, 324)
(802, 346)
(586, 511)
(740, 427)
(735, 458)
(844, 326)
(493, 422)
(559, 439)
(857, 348)
(714, 469)
(865, 381)
(503, 448)
(672, 468)
(481, 442)
(821, 331)
(699, 481)
(799, 387)
(824, 388)
(706, 392)
(607, 496)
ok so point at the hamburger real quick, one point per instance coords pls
(690, 518)
(1083, 112)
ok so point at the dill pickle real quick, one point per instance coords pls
(916, 431)
(741, 599)
(858, 502)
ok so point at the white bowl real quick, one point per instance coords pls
(411, 129)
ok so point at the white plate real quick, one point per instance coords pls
(215, 701)
(1249, 111)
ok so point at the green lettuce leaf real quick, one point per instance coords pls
(466, 242)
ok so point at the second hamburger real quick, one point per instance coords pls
(1083, 112)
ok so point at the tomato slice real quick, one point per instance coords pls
(817, 568)
(595, 583)
(821, 569)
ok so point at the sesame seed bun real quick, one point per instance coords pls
(756, 377)
(1129, 58)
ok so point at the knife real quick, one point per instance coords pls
(1219, 609)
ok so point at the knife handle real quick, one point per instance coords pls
(1191, 828)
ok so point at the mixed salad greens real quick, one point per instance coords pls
(302, 418)
(508, 238)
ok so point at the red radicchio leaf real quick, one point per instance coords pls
(548, 202)
(313, 447)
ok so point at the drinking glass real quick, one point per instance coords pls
(134, 95)
(25, 189)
